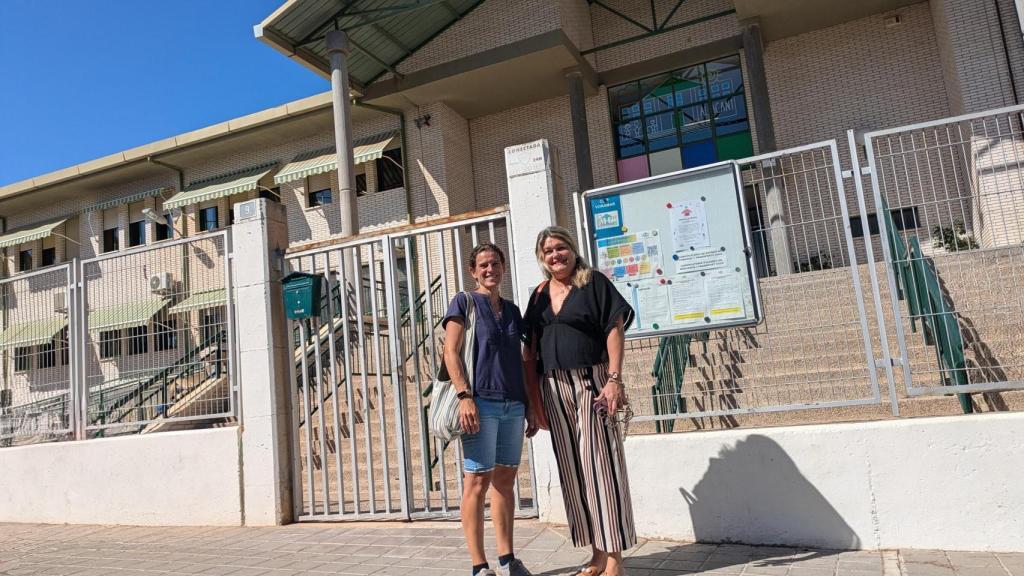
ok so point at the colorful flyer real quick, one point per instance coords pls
(607, 216)
(630, 257)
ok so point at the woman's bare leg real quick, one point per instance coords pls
(472, 514)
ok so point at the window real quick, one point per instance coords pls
(360, 184)
(902, 219)
(110, 240)
(137, 233)
(210, 325)
(24, 261)
(389, 170)
(165, 229)
(23, 359)
(47, 355)
(138, 340)
(110, 344)
(273, 194)
(49, 256)
(208, 219)
(165, 335)
(320, 197)
(681, 119)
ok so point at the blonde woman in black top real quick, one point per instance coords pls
(575, 324)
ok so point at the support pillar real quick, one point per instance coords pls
(580, 133)
(337, 51)
(776, 243)
(260, 234)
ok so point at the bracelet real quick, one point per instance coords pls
(614, 377)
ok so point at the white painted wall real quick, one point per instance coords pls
(171, 478)
(948, 483)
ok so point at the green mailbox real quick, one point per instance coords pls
(302, 293)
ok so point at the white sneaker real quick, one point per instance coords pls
(513, 568)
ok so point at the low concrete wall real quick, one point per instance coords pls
(951, 483)
(171, 478)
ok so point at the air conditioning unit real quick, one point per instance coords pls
(160, 283)
(60, 302)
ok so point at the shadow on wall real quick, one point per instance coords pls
(754, 493)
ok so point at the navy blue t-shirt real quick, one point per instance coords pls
(498, 364)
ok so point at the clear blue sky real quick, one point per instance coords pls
(80, 79)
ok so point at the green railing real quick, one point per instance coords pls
(668, 371)
(918, 284)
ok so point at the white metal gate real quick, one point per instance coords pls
(364, 366)
(948, 198)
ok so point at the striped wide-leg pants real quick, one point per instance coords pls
(591, 463)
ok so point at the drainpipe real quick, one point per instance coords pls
(178, 169)
(185, 268)
(405, 150)
(1006, 49)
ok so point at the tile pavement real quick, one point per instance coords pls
(429, 549)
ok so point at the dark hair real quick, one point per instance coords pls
(485, 247)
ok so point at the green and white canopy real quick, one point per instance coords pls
(326, 160)
(219, 187)
(29, 234)
(127, 315)
(201, 300)
(32, 333)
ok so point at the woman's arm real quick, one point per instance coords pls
(454, 334)
(535, 414)
(616, 344)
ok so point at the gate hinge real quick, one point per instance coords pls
(865, 169)
(881, 363)
(847, 174)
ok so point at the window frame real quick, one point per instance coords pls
(137, 228)
(203, 223)
(137, 339)
(394, 167)
(22, 359)
(313, 198)
(47, 355)
(23, 256)
(165, 335)
(48, 254)
(115, 240)
(110, 344)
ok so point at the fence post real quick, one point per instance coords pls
(258, 236)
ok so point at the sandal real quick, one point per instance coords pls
(588, 570)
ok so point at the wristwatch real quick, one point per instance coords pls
(464, 394)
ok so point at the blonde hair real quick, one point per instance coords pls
(581, 270)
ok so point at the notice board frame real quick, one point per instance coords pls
(740, 256)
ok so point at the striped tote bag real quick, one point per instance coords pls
(443, 415)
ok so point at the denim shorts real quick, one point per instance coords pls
(500, 439)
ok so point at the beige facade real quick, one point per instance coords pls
(913, 62)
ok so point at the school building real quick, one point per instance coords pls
(880, 144)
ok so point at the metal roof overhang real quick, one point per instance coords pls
(219, 187)
(382, 33)
(29, 234)
(326, 160)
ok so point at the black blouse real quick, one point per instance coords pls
(577, 336)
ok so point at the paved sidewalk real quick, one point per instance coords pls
(428, 549)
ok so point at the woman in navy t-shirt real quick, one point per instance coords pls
(492, 408)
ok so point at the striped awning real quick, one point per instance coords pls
(326, 160)
(127, 199)
(32, 333)
(127, 315)
(200, 300)
(219, 187)
(29, 234)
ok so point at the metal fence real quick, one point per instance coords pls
(362, 446)
(948, 197)
(133, 341)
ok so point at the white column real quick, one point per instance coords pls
(263, 361)
(533, 202)
(337, 51)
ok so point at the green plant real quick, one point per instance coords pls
(953, 238)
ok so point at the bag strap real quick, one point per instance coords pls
(469, 340)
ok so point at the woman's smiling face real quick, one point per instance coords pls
(559, 258)
(488, 269)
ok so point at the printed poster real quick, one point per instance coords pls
(725, 295)
(689, 301)
(652, 305)
(607, 213)
(689, 225)
(700, 260)
(630, 257)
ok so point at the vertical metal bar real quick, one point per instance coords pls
(397, 385)
(447, 297)
(296, 419)
(349, 393)
(512, 257)
(460, 281)
(883, 228)
(333, 322)
(307, 419)
(424, 446)
(83, 343)
(473, 233)
(364, 373)
(873, 274)
(234, 406)
(379, 380)
(321, 407)
(428, 306)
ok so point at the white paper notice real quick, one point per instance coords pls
(652, 305)
(627, 292)
(698, 260)
(688, 299)
(689, 225)
(725, 295)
